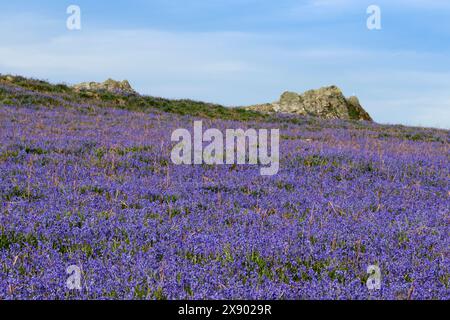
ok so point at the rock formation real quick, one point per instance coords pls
(327, 103)
(108, 85)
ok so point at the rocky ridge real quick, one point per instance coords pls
(108, 85)
(327, 102)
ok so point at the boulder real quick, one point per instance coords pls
(108, 85)
(328, 103)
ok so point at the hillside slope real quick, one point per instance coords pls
(87, 180)
(17, 90)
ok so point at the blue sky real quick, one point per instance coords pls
(243, 52)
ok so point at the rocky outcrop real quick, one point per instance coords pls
(327, 103)
(108, 85)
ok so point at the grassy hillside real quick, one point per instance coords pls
(43, 93)
(20, 91)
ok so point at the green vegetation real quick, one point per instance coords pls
(50, 95)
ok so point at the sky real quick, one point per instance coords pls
(243, 52)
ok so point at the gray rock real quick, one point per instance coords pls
(327, 103)
(108, 85)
